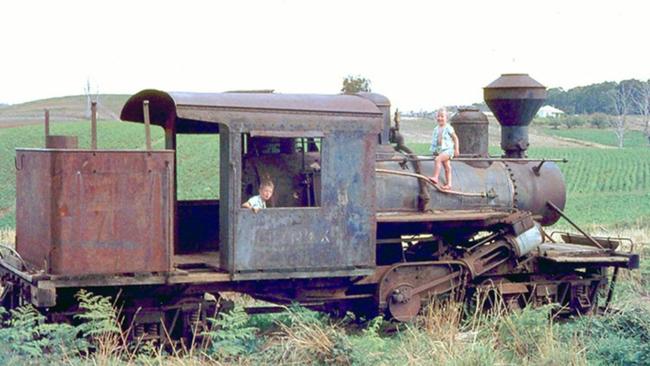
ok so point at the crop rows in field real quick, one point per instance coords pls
(593, 170)
(605, 187)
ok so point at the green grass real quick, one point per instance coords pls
(61, 108)
(606, 187)
(198, 156)
(604, 137)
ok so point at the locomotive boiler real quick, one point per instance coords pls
(353, 224)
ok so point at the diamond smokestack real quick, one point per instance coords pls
(514, 99)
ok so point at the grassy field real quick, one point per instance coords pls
(61, 108)
(606, 187)
(198, 156)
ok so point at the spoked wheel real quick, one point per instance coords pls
(403, 287)
(403, 304)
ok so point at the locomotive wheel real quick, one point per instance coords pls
(403, 304)
(403, 286)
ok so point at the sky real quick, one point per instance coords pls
(420, 54)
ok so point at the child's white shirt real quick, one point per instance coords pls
(256, 202)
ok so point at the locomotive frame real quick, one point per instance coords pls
(356, 226)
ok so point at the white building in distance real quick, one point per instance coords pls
(549, 111)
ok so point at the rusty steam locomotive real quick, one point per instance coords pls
(353, 224)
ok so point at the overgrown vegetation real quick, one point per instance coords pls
(445, 334)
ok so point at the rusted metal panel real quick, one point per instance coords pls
(83, 212)
(533, 190)
(471, 127)
(384, 106)
(607, 243)
(338, 235)
(61, 142)
(200, 111)
(287, 133)
(34, 201)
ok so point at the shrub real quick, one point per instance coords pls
(573, 120)
(618, 338)
(230, 334)
(555, 122)
(99, 318)
(306, 337)
(369, 348)
(599, 120)
(26, 336)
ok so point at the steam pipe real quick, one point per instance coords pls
(398, 139)
(93, 125)
(47, 123)
(147, 124)
(514, 160)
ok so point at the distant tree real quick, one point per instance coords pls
(642, 102)
(558, 97)
(555, 122)
(598, 120)
(481, 106)
(583, 99)
(573, 120)
(354, 84)
(622, 99)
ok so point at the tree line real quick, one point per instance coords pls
(600, 98)
(617, 99)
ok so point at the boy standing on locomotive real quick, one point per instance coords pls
(444, 146)
(256, 203)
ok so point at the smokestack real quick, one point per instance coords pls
(514, 99)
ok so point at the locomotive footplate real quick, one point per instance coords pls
(576, 255)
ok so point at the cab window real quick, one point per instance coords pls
(288, 166)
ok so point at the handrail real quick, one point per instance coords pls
(436, 186)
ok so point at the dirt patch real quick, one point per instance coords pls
(5, 210)
(8, 237)
(556, 141)
(419, 131)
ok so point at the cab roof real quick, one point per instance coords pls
(199, 112)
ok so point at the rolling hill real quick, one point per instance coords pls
(69, 108)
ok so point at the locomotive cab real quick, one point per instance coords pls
(319, 152)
